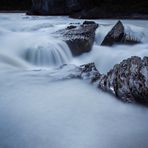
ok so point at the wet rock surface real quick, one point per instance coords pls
(117, 35)
(128, 81)
(79, 38)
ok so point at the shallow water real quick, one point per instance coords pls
(39, 109)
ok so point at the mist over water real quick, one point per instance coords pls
(33, 44)
(39, 109)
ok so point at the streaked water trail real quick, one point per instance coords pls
(39, 109)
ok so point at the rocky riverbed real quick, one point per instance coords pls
(50, 97)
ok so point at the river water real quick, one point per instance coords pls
(39, 109)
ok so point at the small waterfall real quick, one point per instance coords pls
(55, 53)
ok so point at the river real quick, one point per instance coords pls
(39, 109)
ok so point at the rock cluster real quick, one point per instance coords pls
(80, 37)
(128, 81)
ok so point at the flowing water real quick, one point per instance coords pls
(39, 109)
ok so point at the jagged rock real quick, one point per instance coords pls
(119, 36)
(128, 80)
(79, 38)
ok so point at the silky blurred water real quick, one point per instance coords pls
(39, 109)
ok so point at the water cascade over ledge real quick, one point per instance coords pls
(55, 53)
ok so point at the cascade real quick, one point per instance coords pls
(53, 54)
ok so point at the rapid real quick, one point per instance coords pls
(39, 109)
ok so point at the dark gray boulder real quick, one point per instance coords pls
(79, 38)
(117, 35)
(128, 81)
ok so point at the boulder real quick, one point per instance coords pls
(128, 81)
(117, 35)
(79, 38)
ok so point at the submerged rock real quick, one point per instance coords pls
(79, 38)
(89, 72)
(119, 36)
